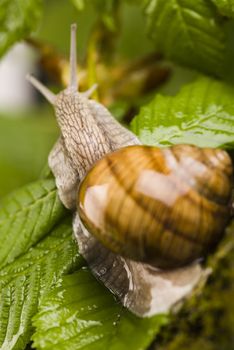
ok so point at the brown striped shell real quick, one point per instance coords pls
(166, 207)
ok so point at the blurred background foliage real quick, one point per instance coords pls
(28, 133)
(121, 45)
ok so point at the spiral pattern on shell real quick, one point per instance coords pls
(165, 207)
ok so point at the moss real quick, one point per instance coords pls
(206, 321)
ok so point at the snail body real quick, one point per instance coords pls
(136, 207)
(164, 207)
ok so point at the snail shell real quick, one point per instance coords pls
(165, 207)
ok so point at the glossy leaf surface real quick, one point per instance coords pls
(23, 282)
(26, 216)
(82, 314)
(202, 114)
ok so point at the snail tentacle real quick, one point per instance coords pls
(88, 93)
(73, 84)
(49, 95)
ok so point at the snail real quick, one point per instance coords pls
(144, 216)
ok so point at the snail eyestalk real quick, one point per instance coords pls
(90, 91)
(73, 65)
(49, 95)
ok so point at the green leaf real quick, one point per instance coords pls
(26, 216)
(81, 314)
(225, 7)
(18, 18)
(24, 281)
(188, 32)
(202, 113)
